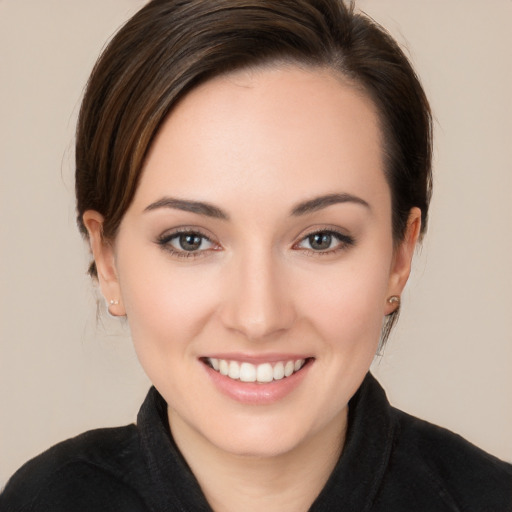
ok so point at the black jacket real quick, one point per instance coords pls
(391, 462)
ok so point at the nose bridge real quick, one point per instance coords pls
(257, 304)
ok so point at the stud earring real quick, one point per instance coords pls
(112, 302)
(394, 299)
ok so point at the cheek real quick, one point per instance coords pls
(347, 304)
(166, 305)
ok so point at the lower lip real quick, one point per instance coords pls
(254, 393)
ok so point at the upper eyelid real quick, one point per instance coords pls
(183, 230)
(328, 230)
(313, 230)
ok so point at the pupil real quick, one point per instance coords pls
(190, 242)
(320, 241)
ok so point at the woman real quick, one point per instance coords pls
(253, 178)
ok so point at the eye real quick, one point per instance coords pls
(186, 243)
(326, 241)
(190, 242)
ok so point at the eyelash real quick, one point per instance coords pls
(344, 242)
(164, 241)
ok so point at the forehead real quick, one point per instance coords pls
(265, 132)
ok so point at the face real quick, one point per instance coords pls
(255, 260)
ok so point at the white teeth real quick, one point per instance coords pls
(288, 368)
(234, 370)
(223, 367)
(278, 371)
(264, 373)
(247, 372)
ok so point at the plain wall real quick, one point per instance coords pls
(62, 371)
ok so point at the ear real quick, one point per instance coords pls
(402, 258)
(104, 257)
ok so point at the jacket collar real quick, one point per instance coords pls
(360, 470)
(352, 485)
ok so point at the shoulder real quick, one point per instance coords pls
(92, 471)
(459, 472)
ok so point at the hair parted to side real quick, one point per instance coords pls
(170, 46)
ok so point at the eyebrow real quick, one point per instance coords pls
(321, 202)
(209, 210)
(188, 206)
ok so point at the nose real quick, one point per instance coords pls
(258, 300)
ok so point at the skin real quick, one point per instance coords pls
(255, 144)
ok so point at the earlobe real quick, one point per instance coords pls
(104, 258)
(402, 259)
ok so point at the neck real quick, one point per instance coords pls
(284, 482)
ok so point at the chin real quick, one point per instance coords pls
(263, 444)
(261, 436)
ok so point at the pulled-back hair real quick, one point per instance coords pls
(170, 46)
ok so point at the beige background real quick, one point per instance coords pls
(62, 372)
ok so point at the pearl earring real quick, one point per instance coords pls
(394, 299)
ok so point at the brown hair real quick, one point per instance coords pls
(170, 46)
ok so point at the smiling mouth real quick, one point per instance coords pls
(261, 373)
